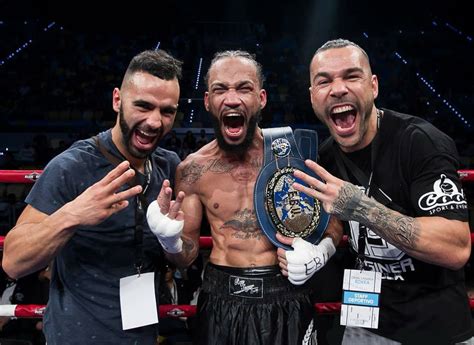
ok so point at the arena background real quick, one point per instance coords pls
(60, 60)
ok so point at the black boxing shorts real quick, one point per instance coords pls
(255, 305)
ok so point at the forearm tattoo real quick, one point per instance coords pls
(188, 245)
(400, 230)
(188, 252)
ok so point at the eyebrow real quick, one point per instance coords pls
(239, 84)
(345, 72)
(142, 103)
(170, 108)
(148, 105)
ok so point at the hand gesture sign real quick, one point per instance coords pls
(166, 220)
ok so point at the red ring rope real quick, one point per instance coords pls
(165, 311)
(30, 176)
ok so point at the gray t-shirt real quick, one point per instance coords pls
(84, 303)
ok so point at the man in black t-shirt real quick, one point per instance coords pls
(393, 178)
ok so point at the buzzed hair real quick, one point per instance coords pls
(339, 43)
(237, 54)
(155, 62)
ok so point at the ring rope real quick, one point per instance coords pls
(30, 176)
(36, 311)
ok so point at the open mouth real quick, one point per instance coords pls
(144, 139)
(234, 124)
(344, 118)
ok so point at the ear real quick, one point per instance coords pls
(116, 100)
(375, 86)
(206, 100)
(311, 94)
(263, 98)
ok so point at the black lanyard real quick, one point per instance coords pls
(141, 203)
(140, 206)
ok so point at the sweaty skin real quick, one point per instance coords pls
(224, 186)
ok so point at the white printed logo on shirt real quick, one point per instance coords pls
(445, 196)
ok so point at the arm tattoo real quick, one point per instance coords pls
(191, 173)
(400, 230)
(188, 245)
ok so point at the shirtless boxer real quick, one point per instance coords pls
(245, 299)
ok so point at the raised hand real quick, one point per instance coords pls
(102, 199)
(166, 220)
(338, 197)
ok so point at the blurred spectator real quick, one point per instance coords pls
(173, 143)
(190, 141)
(202, 140)
(173, 290)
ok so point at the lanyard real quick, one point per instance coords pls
(141, 203)
(140, 207)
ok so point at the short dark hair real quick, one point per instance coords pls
(156, 62)
(340, 43)
(237, 54)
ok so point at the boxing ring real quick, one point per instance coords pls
(166, 310)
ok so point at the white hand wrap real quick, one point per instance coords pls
(307, 258)
(168, 231)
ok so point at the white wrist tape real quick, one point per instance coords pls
(306, 259)
(168, 231)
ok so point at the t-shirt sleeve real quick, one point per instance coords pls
(55, 186)
(435, 186)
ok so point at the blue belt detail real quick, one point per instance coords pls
(283, 153)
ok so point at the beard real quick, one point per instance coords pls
(241, 148)
(127, 133)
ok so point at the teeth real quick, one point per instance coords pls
(342, 109)
(146, 133)
(232, 115)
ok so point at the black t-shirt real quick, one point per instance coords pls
(415, 165)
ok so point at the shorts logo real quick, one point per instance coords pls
(445, 193)
(246, 287)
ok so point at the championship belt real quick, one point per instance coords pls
(280, 207)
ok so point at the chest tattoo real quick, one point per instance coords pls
(246, 171)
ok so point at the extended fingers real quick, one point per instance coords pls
(175, 206)
(116, 178)
(281, 254)
(117, 172)
(126, 194)
(164, 198)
